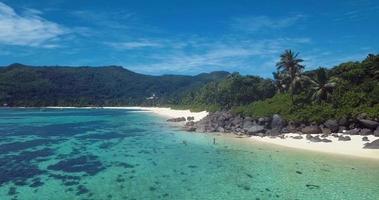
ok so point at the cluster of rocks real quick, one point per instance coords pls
(181, 119)
(226, 122)
(178, 119)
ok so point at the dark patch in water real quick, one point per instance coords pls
(105, 136)
(245, 187)
(19, 168)
(64, 177)
(119, 179)
(12, 191)
(106, 145)
(192, 166)
(299, 172)
(81, 190)
(86, 164)
(124, 165)
(249, 175)
(18, 146)
(310, 186)
(151, 188)
(36, 183)
(70, 183)
(54, 130)
(144, 152)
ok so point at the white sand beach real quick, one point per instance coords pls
(164, 112)
(167, 112)
(354, 147)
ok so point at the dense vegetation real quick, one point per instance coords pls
(345, 91)
(22, 85)
(235, 90)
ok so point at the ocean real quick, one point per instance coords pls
(130, 155)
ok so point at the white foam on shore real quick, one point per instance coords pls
(354, 147)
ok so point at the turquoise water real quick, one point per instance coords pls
(119, 154)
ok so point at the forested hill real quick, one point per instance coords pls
(348, 90)
(22, 85)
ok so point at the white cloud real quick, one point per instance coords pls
(28, 29)
(135, 44)
(257, 23)
(227, 54)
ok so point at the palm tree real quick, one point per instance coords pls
(321, 85)
(289, 64)
(281, 81)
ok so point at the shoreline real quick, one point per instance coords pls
(166, 112)
(353, 148)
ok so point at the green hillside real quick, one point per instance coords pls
(22, 85)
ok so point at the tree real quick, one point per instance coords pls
(321, 86)
(281, 81)
(289, 64)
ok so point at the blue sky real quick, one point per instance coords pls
(186, 37)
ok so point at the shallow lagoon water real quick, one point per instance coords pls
(120, 154)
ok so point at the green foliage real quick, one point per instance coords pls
(92, 86)
(280, 103)
(233, 91)
(346, 90)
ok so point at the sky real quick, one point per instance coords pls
(187, 37)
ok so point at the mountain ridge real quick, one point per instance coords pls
(24, 85)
